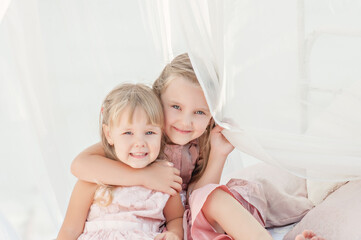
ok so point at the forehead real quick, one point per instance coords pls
(130, 115)
(183, 91)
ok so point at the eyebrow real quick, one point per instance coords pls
(173, 101)
(147, 127)
(151, 126)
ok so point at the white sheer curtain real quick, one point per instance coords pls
(58, 59)
(281, 76)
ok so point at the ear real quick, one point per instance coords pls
(106, 131)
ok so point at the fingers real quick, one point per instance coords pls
(165, 163)
(176, 171)
(171, 192)
(170, 164)
(176, 186)
(178, 179)
(169, 180)
(217, 128)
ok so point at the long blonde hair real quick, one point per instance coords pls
(129, 96)
(182, 66)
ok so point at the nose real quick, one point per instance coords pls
(187, 120)
(139, 142)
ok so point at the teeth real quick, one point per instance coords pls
(139, 154)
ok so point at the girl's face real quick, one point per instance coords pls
(137, 143)
(186, 111)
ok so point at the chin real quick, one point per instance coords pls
(139, 165)
(180, 141)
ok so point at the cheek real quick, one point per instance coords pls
(201, 124)
(155, 145)
(120, 151)
(169, 117)
(122, 143)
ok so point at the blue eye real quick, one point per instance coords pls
(200, 113)
(128, 133)
(176, 107)
(149, 133)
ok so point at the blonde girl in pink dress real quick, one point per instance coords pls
(131, 130)
(197, 151)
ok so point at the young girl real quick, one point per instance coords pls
(131, 130)
(231, 211)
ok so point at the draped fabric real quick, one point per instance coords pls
(282, 77)
(3, 7)
(58, 60)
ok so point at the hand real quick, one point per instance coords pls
(167, 236)
(219, 143)
(162, 176)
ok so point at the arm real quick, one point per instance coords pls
(79, 204)
(91, 165)
(220, 149)
(173, 213)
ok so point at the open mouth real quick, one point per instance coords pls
(182, 131)
(138, 155)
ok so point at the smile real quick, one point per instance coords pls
(138, 155)
(182, 131)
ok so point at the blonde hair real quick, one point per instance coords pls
(128, 96)
(181, 66)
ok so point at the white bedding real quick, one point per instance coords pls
(279, 232)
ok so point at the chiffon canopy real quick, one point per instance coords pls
(282, 77)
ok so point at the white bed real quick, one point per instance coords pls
(279, 232)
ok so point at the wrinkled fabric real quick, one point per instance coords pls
(249, 194)
(134, 213)
(271, 76)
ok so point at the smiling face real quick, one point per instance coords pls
(136, 141)
(185, 109)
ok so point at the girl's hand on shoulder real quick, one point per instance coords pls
(162, 176)
(219, 143)
(167, 236)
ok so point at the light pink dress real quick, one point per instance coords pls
(134, 213)
(249, 195)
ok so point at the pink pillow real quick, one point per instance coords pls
(337, 217)
(286, 194)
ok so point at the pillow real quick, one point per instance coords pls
(337, 217)
(318, 190)
(286, 193)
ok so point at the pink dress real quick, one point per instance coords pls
(249, 195)
(134, 213)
